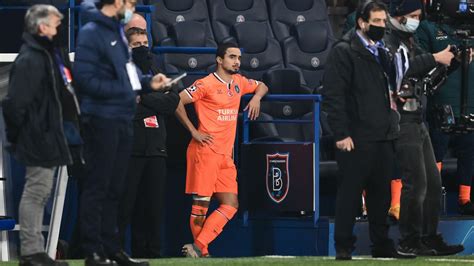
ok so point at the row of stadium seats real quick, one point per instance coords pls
(276, 34)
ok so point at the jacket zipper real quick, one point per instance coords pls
(60, 107)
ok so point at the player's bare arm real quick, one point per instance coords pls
(184, 119)
(254, 105)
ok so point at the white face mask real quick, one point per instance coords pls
(411, 25)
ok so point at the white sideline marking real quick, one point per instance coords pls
(450, 260)
(279, 257)
(370, 258)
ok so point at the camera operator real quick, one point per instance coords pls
(433, 37)
(421, 192)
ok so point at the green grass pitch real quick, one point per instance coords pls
(290, 260)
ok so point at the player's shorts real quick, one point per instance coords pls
(209, 172)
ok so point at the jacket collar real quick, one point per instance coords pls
(357, 45)
(33, 42)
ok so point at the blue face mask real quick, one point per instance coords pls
(411, 25)
(127, 16)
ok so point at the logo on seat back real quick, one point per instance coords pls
(240, 18)
(254, 63)
(315, 62)
(180, 18)
(300, 18)
(287, 110)
(192, 62)
(278, 176)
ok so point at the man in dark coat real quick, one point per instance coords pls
(107, 82)
(356, 97)
(41, 114)
(143, 196)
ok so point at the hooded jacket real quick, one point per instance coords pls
(102, 82)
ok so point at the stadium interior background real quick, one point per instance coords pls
(285, 43)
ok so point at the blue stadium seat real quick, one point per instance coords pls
(261, 51)
(169, 13)
(189, 34)
(307, 50)
(286, 13)
(226, 13)
(285, 81)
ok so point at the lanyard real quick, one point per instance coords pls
(67, 78)
(65, 73)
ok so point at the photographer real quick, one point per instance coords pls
(420, 198)
(433, 37)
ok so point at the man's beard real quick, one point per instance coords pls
(231, 71)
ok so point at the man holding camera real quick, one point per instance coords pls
(421, 192)
(433, 36)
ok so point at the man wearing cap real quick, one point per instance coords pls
(420, 197)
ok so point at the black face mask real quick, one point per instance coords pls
(142, 58)
(375, 33)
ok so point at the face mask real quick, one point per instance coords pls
(375, 33)
(411, 25)
(127, 16)
(142, 58)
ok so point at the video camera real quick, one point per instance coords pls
(414, 88)
(460, 11)
(459, 15)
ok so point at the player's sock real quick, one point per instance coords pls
(440, 166)
(197, 218)
(396, 189)
(196, 221)
(464, 194)
(214, 225)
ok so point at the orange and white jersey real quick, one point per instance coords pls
(217, 107)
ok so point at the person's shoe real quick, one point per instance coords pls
(40, 259)
(191, 251)
(394, 212)
(95, 259)
(414, 247)
(343, 254)
(466, 208)
(123, 259)
(391, 252)
(441, 248)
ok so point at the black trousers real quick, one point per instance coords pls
(108, 145)
(142, 204)
(421, 192)
(369, 166)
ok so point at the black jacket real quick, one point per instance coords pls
(355, 93)
(420, 63)
(152, 141)
(149, 141)
(32, 108)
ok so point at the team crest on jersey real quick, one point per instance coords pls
(278, 176)
(236, 88)
(192, 89)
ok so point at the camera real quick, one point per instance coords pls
(414, 88)
(457, 13)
